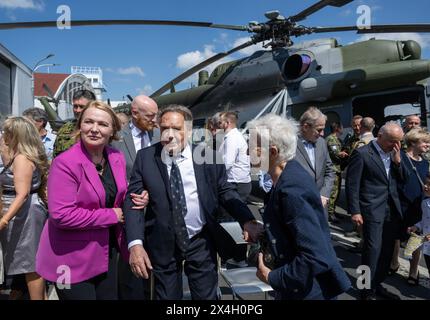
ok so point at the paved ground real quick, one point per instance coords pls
(349, 260)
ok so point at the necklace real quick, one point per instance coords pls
(100, 165)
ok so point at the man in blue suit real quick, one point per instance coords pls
(185, 187)
(373, 202)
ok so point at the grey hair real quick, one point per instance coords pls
(367, 123)
(388, 126)
(36, 114)
(282, 133)
(177, 108)
(311, 116)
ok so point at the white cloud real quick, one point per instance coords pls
(146, 90)
(249, 50)
(138, 71)
(423, 40)
(22, 4)
(131, 71)
(192, 58)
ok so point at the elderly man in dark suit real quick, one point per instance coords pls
(141, 132)
(373, 202)
(312, 152)
(179, 228)
(305, 263)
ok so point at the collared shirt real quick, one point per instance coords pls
(194, 219)
(137, 137)
(367, 136)
(48, 142)
(236, 159)
(385, 157)
(310, 150)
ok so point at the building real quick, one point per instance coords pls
(15, 84)
(95, 76)
(59, 87)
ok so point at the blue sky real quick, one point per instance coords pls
(139, 59)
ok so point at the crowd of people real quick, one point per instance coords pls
(119, 207)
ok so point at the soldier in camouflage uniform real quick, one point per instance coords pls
(337, 156)
(350, 143)
(351, 140)
(66, 134)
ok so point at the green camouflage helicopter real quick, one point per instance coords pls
(361, 78)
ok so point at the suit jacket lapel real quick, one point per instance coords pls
(128, 141)
(94, 179)
(374, 155)
(305, 155)
(199, 172)
(92, 174)
(163, 170)
(319, 161)
(118, 174)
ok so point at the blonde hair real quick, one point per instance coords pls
(22, 137)
(415, 135)
(116, 124)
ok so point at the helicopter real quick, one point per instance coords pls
(360, 78)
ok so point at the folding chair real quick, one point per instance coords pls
(242, 281)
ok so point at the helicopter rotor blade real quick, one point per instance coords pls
(48, 91)
(81, 23)
(318, 6)
(200, 66)
(377, 28)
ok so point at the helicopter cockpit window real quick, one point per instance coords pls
(296, 66)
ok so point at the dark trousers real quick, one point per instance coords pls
(131, 287)
(378, 246)
(427, 260)
(244, 189)
(101, 287)
(199, 267)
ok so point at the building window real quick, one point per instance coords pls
(5, 88)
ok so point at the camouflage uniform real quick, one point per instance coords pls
(350, 143)
(334, 148)
(65, 138)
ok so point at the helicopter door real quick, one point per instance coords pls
(392, 105)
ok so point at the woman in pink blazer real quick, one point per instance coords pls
(86, 188)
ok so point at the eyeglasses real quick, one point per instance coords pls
(76, 106)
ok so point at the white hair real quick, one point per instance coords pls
(282, 133)
(389, 127)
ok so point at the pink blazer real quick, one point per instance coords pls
(74, 243)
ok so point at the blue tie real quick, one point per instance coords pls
(179, 208)
(142, 140)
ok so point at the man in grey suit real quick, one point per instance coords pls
(139, 133)
(312, 152)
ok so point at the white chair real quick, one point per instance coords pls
(242, 281)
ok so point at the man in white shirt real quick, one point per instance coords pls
(373, 202)
(234, 149)
(179, 231)
(40, 119)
